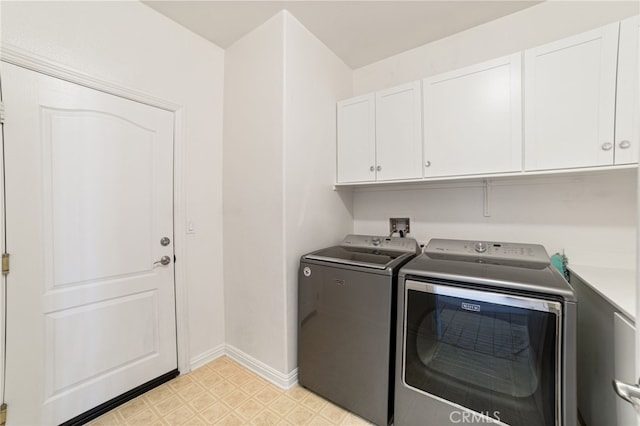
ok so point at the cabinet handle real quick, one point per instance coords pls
(379, 168)
(427, 164)
(624, 144)
(371, 168)
(607, 146)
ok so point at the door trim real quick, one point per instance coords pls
(3, 279)
(26, 59)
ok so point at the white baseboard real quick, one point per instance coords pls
(284, 381)
(207, 357)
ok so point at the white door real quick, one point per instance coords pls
(635, 32)
(356, 136)
(473, 119)
(91, 312)
(637, 329)
(569, 101)
(627, 374)
(628, 97)
(624, 365)
(399, 132)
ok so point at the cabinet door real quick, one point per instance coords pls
(473, 119)
(624, 365)
(569, 101)
(628, 100)
(356, 153)
(399, 132)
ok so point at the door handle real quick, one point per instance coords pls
(164, 260)
(630, 393)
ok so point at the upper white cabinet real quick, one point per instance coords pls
(473, 119)
(569, 107)
(380, 136)
(627, 136)
(399, 132)
(356, 150)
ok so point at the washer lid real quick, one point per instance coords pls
(357, 256)
(368, 251)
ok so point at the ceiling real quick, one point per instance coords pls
(359, 32)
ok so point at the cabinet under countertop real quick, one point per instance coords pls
(605, 335)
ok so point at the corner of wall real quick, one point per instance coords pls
(252, 192)
(314, 215)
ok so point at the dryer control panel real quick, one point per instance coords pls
(442, 248)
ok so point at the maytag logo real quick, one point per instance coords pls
(470, 307)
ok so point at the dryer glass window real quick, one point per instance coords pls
(492, 353)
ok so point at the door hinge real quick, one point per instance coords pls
(5, 268)
(3, 414)
(1, 113)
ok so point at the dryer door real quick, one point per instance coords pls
(493, 353)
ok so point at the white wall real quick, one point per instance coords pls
(315, 215)
(130, 45)
(592, 217)
(253, 195)
(281, 88)
(527, 28)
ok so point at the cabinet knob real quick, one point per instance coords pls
(379, 168)
(427, 164)
(624, 144)
(607, 146)
(371, 168)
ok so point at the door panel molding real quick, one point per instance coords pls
(74, 371)
(26, 59)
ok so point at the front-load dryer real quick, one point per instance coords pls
(486, 334)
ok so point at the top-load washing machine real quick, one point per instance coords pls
(346, 322)
(486, 334)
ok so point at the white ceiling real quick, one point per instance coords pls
(359, 32)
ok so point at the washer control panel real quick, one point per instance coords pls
(377, 242)
(487, 249)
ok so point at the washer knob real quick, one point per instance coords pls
(375, 241)
(481, 247)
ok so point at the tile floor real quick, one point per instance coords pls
(225, 393)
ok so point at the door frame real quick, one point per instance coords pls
(3, 249)
(26, 59)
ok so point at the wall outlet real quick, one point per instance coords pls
(399, 224)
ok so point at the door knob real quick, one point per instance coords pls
(164, 260)
(630, 393)
(607, 146)
(165, 241)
